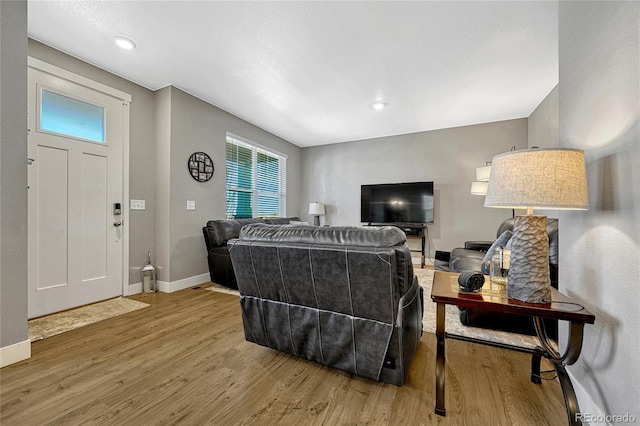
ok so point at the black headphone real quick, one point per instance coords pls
(470, 281)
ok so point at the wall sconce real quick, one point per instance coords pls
(479, 187)
(483, 173)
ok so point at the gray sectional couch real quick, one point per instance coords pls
(217, 233)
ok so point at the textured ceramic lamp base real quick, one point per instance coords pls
(529, 268)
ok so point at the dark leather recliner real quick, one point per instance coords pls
(216, 234)
(345, 297)
(470, 258)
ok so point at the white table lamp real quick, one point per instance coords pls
(316, 210)
(554, 179)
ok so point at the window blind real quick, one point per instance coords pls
(256, 181)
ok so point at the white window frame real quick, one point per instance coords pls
(282, 169)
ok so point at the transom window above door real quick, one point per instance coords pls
(67, 116)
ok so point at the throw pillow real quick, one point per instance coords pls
(501, 241)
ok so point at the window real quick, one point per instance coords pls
(71, 117)
(256, 181)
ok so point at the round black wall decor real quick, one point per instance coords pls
(200, 166)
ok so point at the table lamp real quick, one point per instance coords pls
(551, 179)
(316, 210)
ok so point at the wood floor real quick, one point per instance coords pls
(184, 361)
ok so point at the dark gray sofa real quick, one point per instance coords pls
(345, 297)
(216, 234)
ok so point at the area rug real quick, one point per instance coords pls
(452, 319)
(51, 325)
(222, 289)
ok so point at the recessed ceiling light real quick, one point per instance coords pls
(378, 105)
(124, 42)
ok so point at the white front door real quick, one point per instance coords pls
(75, 238)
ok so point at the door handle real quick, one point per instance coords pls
(116, 223)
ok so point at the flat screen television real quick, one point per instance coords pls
(397, 203)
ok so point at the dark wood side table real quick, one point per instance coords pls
(445, 292)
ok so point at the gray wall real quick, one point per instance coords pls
(141, 149)
(543, 122)
(199, 126)
(600, 255)
(13, 172)
(332, 174)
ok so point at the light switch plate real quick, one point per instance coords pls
(137, 205)
(191, 205)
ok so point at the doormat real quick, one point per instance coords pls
(54, 324)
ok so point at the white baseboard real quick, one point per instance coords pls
(134, 289)
(15, 353)
(586, 404)
(170, 287)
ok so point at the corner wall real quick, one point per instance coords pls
(332, 174)
(14, 336)
(599, 107)
(162, 179)
(543, 122)
(199, 126)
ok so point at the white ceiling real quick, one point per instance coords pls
(309, 71)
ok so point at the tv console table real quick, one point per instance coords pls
(416, 229)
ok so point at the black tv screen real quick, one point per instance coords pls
(397, 203)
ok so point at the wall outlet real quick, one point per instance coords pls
(191, 205)
(137, 205)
